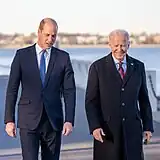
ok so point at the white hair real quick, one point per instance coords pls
(118, 32)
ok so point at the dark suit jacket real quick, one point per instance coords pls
(59, 80)
(118, 105)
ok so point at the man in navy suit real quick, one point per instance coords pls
(117, 103)
(45, 74)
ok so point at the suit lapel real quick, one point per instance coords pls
(50, 65)
(34, 63)
(114, 72)
(130, 69)
(111, 67)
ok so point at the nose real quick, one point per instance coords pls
(50, 39)
(119, 48)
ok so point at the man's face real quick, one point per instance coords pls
(119, 45)
(47, 36)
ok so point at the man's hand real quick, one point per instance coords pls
(147, 136)
(98, 133)
(11, 129)
(67, 128)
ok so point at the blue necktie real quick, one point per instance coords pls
(43, 66)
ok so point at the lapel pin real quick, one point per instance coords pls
(131, 64)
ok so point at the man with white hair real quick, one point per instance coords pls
(117, 103)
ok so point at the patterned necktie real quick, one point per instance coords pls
(121, 70)
(43, 66)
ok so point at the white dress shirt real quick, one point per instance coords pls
(39, 51)
(124, 63)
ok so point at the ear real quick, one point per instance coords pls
(40, 31)
(129, 44)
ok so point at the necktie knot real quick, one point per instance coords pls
(43, 52)
(120, 64)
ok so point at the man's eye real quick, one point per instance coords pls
(53, 36)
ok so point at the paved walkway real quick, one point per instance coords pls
(152, 152)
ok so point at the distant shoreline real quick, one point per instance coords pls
(106, 46)
(84, 46)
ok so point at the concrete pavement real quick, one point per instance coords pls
(151, 151)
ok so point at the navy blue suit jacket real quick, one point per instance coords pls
(59, 81)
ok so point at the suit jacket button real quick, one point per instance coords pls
(122, 89)
(123, 104)
(123, 119)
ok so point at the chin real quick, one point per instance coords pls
(121, 58)
(48, 46)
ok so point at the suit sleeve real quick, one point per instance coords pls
(69, 92)
(144, 103)
(92, 100)
(12, 90)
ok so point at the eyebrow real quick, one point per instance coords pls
(50, 34)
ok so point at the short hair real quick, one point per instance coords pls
(119, 32)
(46, 20)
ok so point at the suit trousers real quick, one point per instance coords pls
(45, 136)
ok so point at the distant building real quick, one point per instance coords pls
(103, 40)
(91, 40)
(156, 39)
(80, 39)
(142, 39)
(133, 40)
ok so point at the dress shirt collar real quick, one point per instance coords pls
(117, 61)
(39, 49)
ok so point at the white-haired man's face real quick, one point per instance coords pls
(119, 44)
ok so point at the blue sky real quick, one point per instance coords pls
(93, 16)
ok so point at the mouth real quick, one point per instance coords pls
(120, 53)
(49, 44)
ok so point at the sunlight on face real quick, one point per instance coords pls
(119, 44)
(47, 36)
